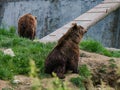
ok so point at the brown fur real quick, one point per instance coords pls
(65, 55)
(27, 26)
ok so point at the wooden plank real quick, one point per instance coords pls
(82, 20)
(110, 5)
(83, 24)
(98, 10)
(98, 16)
(111, 1)
(86, 20)
(101, 7)
(88, 16)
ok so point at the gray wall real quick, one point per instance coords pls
(107, 31)
(52, 14)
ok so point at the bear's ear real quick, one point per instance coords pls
(74, 25)
(82, 28)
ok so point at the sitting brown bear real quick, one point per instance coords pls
(27, 26)
(65, 55)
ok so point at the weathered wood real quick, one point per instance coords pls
(96, 17)
(87, 20)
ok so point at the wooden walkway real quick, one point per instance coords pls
(86, 20)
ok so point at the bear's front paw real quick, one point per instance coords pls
(75, 71)
(61, 76)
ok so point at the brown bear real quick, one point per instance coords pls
(65, 55)
(27, 26)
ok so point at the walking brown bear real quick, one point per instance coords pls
(27, 26)
(65, 55)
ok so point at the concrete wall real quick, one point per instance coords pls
(107, 31)
(52, 14)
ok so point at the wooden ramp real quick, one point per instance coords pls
(86, 20)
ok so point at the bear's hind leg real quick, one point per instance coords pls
(73, 65)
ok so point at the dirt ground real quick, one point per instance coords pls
(98, 64)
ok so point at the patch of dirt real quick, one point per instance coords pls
(103, 71)
(4, 84)
(103, 68)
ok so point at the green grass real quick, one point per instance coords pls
(95, 46)
(78, 81)
(24, 50)
(84, 74)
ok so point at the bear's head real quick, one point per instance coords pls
(77, 32)
(33, 18)
(78, 29)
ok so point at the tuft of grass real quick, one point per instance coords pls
(84, 75)
(84, 71)
(95, 46)
(36, 83)
(112, 64)
(8, 32)
(115, 53)
(5, 74)
(91, 45)
(12, 30)
(5, 67)
(59, 84)
(79, 82)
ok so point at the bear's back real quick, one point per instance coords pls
(27, 26)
